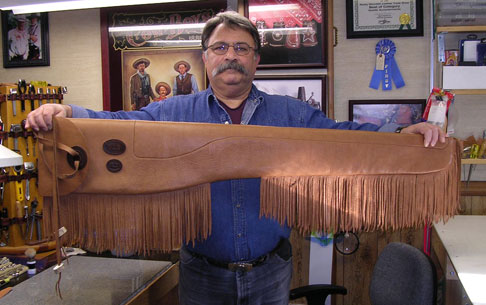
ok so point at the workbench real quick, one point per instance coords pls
(88, 280)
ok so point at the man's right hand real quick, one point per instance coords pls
(41, 118)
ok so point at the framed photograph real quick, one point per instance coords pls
(384, 18)
(292, 32)
(153, 75)
(309, 89)
(25, 40)
(381, 112)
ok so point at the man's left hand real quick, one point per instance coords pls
(431, 133)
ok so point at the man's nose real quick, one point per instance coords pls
(231, 54)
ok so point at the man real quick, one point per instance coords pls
(140, 88)
(246, 259)
(34, 37)
(184, 83)
(163, 90)
(18, 41)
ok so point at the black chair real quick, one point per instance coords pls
(402, 275)
(316, 294)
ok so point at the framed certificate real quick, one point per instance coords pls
(384, 18)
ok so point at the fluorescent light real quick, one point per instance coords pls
(78, 4)
(271, 8)
(298, 30)
(158, 27)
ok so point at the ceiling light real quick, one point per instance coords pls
(78, 4)
(271, 8)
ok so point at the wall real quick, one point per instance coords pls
(354, 61)
(75, 58)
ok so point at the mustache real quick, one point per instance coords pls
(230, 65)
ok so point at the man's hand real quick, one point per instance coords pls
(431, 133)
(41, 118)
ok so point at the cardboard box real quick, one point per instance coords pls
(464, 77)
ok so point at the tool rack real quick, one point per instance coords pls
(21, 210)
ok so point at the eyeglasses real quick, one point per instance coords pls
(241, 48)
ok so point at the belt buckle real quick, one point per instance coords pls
(240, 266)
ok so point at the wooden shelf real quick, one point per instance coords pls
(474, 188)
(473, 161)
(465, 28)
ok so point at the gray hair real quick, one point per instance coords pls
(234, 21)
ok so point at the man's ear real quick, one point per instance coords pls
(203, 55)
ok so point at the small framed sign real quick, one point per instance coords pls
(384, 18)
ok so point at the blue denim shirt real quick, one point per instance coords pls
(238, 233)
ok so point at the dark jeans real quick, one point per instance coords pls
(202, 283)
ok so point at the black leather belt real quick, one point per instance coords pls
(236, 266)
(283, 250)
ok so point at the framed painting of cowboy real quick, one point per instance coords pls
(151, 75)
(25, 40)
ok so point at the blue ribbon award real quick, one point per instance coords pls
(386, 68)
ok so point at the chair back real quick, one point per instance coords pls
(403, 275)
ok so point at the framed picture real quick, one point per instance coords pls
(25, 40)
(384, 18)
(309, 89)
(381, 112)
(175, 71)
(292, 32)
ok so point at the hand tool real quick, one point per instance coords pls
(26, 137)
(14, 101)
(29, 169)
(33, 207)
(27, 222)
(16, 131)
(19, 192)
(22, 87)
(32, 96)
(40, 91)
(5, 224)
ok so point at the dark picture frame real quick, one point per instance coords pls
(390, 18)
(308, 88)
(25, 40)
(293, 34)
(402, 112)
(162, 68)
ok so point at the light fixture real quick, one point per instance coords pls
(272, 8)
(78, 4)
(160, 28)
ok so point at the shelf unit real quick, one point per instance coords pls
(461, 29)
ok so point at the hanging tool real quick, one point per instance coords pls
(5, 225)
(22, 87)
(32, 96)
(13, 92)
(40, 91)
(29, 169)
(33, 218)
(16, 132)
(19, 192)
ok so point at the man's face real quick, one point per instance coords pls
(20, 25)
(141, 67)
(162, 90)
(230, 77)
(182, 69)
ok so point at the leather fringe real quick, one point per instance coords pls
(133, 224)
(362, 202)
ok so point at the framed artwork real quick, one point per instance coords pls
(162, 66)
(380, 112)
(25, 40)
(309, 89)
(384, 18)
(292, 32)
